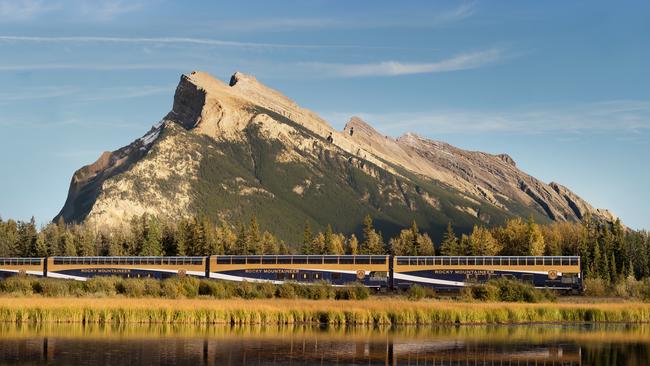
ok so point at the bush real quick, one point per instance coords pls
(595, 287)
(266, 290)
(214, 289)
(247, 290)
(507, 290)
(353, 291)
(286, 291)
(56, 288)
(644, 289)
(417, 292)
(20, 285)
(102, 285)
(628, 288)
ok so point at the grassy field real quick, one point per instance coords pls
(383, 311)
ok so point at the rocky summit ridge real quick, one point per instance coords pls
(231, 150)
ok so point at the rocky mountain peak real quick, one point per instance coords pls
(263, 150)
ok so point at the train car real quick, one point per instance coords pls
(26, 266)
(82, 268)
(449, 273)
(370, 270)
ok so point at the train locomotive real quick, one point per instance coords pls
(374, 271)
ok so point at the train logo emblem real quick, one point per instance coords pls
(552, 274)
(361, 274)
(181, 273)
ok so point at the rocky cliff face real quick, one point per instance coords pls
(237, 149)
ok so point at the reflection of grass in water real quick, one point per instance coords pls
(276, 311)
(506, 334)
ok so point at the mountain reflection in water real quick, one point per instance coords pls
(53, 344)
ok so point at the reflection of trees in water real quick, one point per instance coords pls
(605, 354)
(58, 345)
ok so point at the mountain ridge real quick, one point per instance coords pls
(234, 149)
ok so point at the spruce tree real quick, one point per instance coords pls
(307, 238)
(450, 245)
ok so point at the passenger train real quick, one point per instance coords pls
(374, 271)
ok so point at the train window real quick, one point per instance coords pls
(378, 259)
(304, 276)
(462, 261)
(317, 276)
(471, 261)
(422, 261)
(429, 261)
(315, 259)
(292, 276)
(253, 259)
(362, 259)
(489, 261)
(402, 261)
(530, 261)
(299, 259)
(284, 260)
(238, 260)
(574, 261)
(331, 259)
(336, 276)
(454, 261)
(347, 259)
(224, 260)
(565, 261)
(269, 260)
(446, 261)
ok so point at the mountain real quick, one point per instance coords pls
(234, 150)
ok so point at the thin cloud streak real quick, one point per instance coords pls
(395, 68)
(177, 40)
(622, 116)
(275, 24)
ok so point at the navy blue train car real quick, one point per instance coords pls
(453, 273)
(370, 270)
(82, 268)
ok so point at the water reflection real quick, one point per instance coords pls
(54, 344)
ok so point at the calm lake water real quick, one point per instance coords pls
(52, 344)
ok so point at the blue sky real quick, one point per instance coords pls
(563, 87)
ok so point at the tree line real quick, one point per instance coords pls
(608, 251)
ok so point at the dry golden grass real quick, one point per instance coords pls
(378, 311)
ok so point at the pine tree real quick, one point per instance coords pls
(450, 244)
(373, 243)
(307, 239)
(255, 243)
(352, 245)
(152, 237)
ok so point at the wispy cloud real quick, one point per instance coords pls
(280, 24)
(94, 10)
(393, 68)
(176, 40)
(105, 10)
(44, 92)
(616, 116)
(21, 10)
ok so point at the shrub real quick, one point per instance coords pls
(56, 288)
(213, 288)
(286, 291)
(247, 290)
(322, 290)
(416, 292)
(266, 290)
(102, 285)
(595, 287)
(644, 289)
(628, 287)
(21, 285)
(353, 291)
(133, 287)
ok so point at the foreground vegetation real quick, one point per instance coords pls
(282, 311)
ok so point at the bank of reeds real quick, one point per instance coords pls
(279, 312)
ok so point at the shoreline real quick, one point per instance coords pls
(116, 310)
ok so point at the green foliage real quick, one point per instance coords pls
(412, 242)
(507, 290)
(417, 292)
